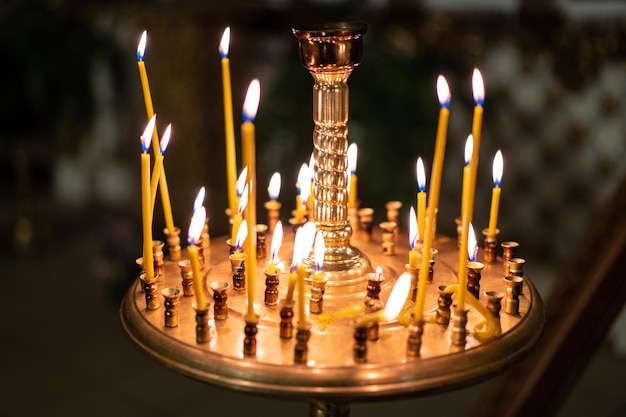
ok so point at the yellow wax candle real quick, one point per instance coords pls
(352, 191)
(146, 215)
(143, 75)
(479, 98)
(495, 192)
(229, 127)
(158, 164)
(443, 93)
(277, 239)
(238, 216)
(195, 230)
(302, 274)
(250, 107)
(469, 148)
(421, 198)
(303, 187)
(413, 236)
(293, 278)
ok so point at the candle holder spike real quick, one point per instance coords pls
(414, 273)
(374, 282)
(286, 319)
(318, 287)
(513, 285)
(366, 223)
(372, 306)
(393, 211)
(389, 237)
(261, 237)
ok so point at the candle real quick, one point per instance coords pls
(443, 94)
(469, 148)
(295, 261)
(302, 187)
(240, 240)
(199, 199)
(319, 251)
(229, 127)
(195, 230)
(421, 197)
(312, 180)
(396, 301)
(146, 215)
(413, 237)
(250, 107)
(143, 75)
(277, 239)
(478, 90)
(308, 235)
(273, 189)
(238, 217)
(498, 166)
(472, 246)
(158, 165)
(352, 178)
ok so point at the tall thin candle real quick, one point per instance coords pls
(498, 166)
(229, 127)
(413, 237)
(158, 165)
(469, 148)
(195, 230)
(146, 214)
(421, 197)
(352, 182)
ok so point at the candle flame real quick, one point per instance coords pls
(196, 225)
(397, 297)
(308, 238)
(165, 139)
(225, 43)
(277, 240)
(413, 232)
(379, 272)
(141, 47)
(199, 200)
(146, 137)
(274, 187)
(352, 152)
(311, 165)
(304, 183)
(443, 92)
(478, 88)
(472, 248)
(498, 167)
(301, 246)
(242, 234)
(241, 181)
(243, 200)
(469, 149)
(421, 175)
(251, 103)
(319, 251)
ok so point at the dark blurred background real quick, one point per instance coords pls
(71, 112)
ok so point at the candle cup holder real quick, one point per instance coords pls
(295, 225)
(249, 341)
(271, 287)
(360, 342)
(366, 220)
(231, 247)
(374, 281)
(474, 270)
(157, 253)
(444, 301)
(186, 273)
(393, 211)
(173, 243)
(459, 326)
(150, 288)
(139, 263)
(301, 350)
(389, 237)
(273, 214)
(414, 273)
(220, 299)
(516, 267)
(261, 237)
(286, 319)
(431, 265)
(491, 243)
(509, 251)
(414, 342)
(373, 306)
(459, 230)
(318, 287)
(172, 299)
(203, 330)
(494, 299)
(238, 265)
(511, 302)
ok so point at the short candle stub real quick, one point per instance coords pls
(150, 290)
(220, 298)
(459, 326)
(301, 350)
(172, 298)
(173, 243)
(249, 341)
(444, 301)
(186, 273)
(203, 330)
(414, 342)
(491, 243)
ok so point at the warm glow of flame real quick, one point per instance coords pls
(413, 232)
(318, 251)
(241, 181)
(469, 149)
(379, 272)
(478, 87)
(199, 200)
(311, 165)
(443, 92)
(243, 200)
(225, 43)
(165, 139)
(277, 240)
(352, 152)
(196, 225)
(141, 47)
(301, 246)
(472, 247)
(421, 175)
(242, 234)
(251, 103)
(308, 238)
(146, 137)
(498, 167)
(397, 297)
(304, 183)
(273, 190)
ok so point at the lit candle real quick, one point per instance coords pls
(273, 189)
(302, 188)
(229, 127)
(199, 201)
(240, 240)
(272, 205)
(296, 259)
(308, 236)
(413, 237)
(469, 148)
(397, 299)
(478, 91)
(143, 75)
(158, 165)
(443, 94)
(421, 197)
(472, 246)
(311, 167)
(352, 178)
(195, 230)
(146, 214)
(498, 166)
(238, 217)
(250, 107)
(277, 240)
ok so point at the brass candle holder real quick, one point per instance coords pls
(318, 287)
(491, 244)
(373, 306)
(271, 287)
(474, 270)
(206, 238)
(238, 265)
(157, 252)
(301, 350)
(232, 248)
(414, 341)
(393, 211)
(173, 243)
(366, 223)
(459, 230)
(513, 285)
(203, 330)
(360, 342)
(414, 273)
(150, 291)
(494, 300)
(201, 257)
(249, 341)
(261, 238)
(374, 281)
(389, 237)
(286, 319)
(459, 326)
(444, 301)
(273, 214)
(509, 251)
(220, 299)
(186, 274)
(172, 299)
